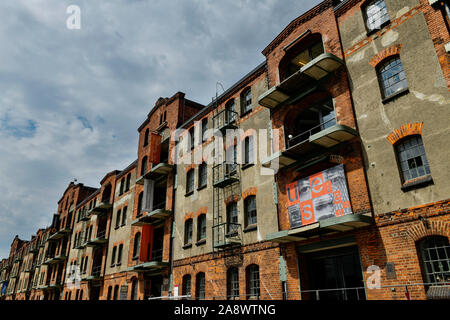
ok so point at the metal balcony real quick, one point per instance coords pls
(100, 239)
(156, 216)
(312, 143)
(227, 235)
(225, 174)
(225, 119)
(84, 216)
(100, 208)
(159, 171)
(96, 274)
(329, 226)
(61, 233)
(302, 82)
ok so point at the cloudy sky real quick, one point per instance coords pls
(71, 100)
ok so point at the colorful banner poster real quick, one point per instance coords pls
(318, 197)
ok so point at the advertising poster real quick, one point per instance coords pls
(318, 197)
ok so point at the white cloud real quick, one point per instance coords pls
(71, 100)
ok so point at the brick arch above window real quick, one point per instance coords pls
(249, 192)
(418, 231)
(386, 53)
(406, 130)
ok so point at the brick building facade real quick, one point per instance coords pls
(349, 183)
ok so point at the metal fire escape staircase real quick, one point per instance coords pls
(227, 235)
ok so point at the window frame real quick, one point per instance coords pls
(232, 283)
(190, 181)
(136, 245)
(381, 69)
(201, 227)
(246, 106)
(200, 286)
(202, 175)
(420, 147)
(366, 16)
(188, 231)
(253, 291)
(249, 215)
(186, 284)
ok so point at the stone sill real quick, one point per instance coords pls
(417, 183)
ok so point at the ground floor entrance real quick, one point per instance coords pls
(333, 275)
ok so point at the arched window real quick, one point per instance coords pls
(113, 256)
(118, 218)
(233, 283)
(391, 77)
(127, 188)
(134, 289)
(188, 231)
(186, 289)
(252, 274)
(124, 215)
(121, 186)
(200, 286)
(250, 211)
(139, 206)
(232, 218)
(202, 175)
(144, 165)
(190, 181)
(137, 245)
(116, 292)
(248, 150)
(146, 137)
(201, 227)
(246, 101)
(119, 255)
(231, 111)
(108, 297)
(435, 256)
(376, 15)
(411, 158)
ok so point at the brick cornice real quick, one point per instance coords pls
(404, 131)
(388, 52)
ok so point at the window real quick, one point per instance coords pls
(146, 137)
(121, 186)
(202, 175)
(435, 254)
(411, 158)
(392, 77)
(232, 217)
(134, 288)
(204, 128)
(248, 150)
(124, 216)
(186, 290)
(308, 52)
(250, 210)
(201, 227)
(246, 98)
(376, 15)
(108, 297)
(188, 231)
(137, 245)
(119, 256)
(118, 219)
(191, 138)
(116, 292)
(139, 206)
(231, 159)
(127, 188)
(231, 111)
(113, 256)
(190, 181)
(233, 283)
(144, 166)
(200, 286)
(253, 282)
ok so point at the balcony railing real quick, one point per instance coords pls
(96, 271)
(225, 119)
(304, 136)
(157, 214)
(157, 254)
(225, 174)
(99, 239)
(227, 234)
